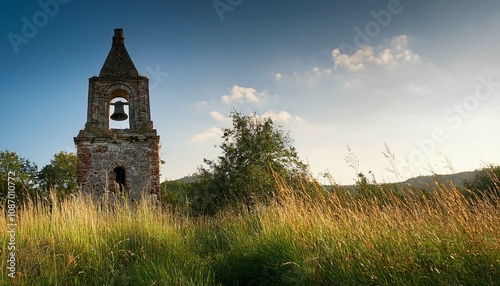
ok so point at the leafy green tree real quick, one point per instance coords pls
(485, 180)
(22, 172)
(60, 174)
(174, 195)
(253, 151)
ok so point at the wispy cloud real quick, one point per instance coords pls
(242, 94)
(397, 52)
(388, 71)
(219, 116)
(282, 116)
(210, 133)
(309, 77)
(277, 76)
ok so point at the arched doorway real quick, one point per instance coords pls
(120, 178)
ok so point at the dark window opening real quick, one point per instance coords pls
(120, 177)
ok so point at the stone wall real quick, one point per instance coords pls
(137, 155)
(135, 90)
(100, 150)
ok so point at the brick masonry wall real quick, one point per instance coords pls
(139, 157)
(101, 150)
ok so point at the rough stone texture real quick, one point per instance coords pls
(100, 149)
(118, 63)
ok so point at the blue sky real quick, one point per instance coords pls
(422, 77)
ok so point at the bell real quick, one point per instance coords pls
(119, 114)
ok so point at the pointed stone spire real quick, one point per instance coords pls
(118, 63)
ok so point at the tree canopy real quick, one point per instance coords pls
(23, 173)
(486, 179)
(253, 149)
(60, 174)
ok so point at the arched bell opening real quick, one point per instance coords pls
(119, 110)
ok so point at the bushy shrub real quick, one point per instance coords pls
(253, 150)
(486, 180)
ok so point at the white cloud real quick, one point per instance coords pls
(397, 52)
(401, 50)
(319, 72)
(205, 104)
(282, 116)
(213, 132)
(241, 94)
(308, 77)
(354, 62)
(219, 116)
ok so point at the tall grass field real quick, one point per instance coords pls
(300, 237)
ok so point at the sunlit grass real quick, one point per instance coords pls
(301, 237)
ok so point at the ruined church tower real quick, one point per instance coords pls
(118, 161)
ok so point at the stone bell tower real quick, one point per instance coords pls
(118, 161)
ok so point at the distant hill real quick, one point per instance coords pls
(188, 179)
(456, 179)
